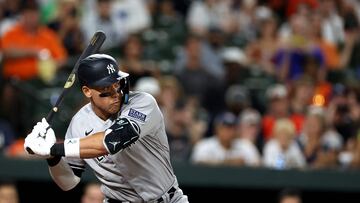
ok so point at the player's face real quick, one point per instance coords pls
(106, 101)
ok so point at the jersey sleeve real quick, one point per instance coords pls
(145, 113)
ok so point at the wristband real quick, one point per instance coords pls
(70, 148)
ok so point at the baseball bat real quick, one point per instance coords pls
(93, 47)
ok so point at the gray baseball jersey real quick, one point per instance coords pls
(140, 172)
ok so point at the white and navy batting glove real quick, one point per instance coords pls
(40, 140)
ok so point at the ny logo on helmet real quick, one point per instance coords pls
(110, 68)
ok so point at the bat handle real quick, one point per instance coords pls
(51, 114)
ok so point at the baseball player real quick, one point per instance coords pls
(120, 134)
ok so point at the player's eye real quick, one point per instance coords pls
(110, 90)
(106, 94)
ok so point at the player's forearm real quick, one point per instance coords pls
(92, 146)
(88, 147)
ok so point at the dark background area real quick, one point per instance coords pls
(44, 191)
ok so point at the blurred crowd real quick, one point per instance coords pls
(11, 192)
(271, 83)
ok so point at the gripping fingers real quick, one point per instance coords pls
(29, 150)
(41, 130)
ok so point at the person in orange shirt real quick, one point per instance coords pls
(278, 107)
(23, 44)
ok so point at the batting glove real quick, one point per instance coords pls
(40, 140)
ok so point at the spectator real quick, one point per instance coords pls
(169, 25)
(197, 49)
(237, 98)
(341, 111)
(295, 48)
(8, 193)
(330, 50)
(301, 96)
(9, 14)
(99, 15)
(293, 6)
(133, 62)
(67, 24)
(223, 148)
(333, 24)
(278, 107)
(349, 157)
(21, 53)
(170, 93)
(149, 85)
(132, 15)
(290, 195)
(178, 131)
(262, 50)
(92, 193)
(248, 132)
(320, 146)
(196, 80)
(350, 57)
(23, 46)
(213, 45)
(206, 14)
(246, 16)
(235, 65)
(282, 152)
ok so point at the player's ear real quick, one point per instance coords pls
(86, 91)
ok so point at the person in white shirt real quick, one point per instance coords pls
(282, 151)
(223, 148)
(248, 131)
(118, 19)
(203, 15)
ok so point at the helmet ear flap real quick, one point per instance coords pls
(124, 89)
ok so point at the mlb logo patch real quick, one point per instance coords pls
(136, 114)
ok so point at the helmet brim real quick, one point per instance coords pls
(108, 81)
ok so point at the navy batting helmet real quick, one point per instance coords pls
(102, 70)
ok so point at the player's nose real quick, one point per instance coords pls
(116, 93)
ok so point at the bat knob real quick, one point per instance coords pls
(29, 150)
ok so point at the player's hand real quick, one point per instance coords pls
(40, 140)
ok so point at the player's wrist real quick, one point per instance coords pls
(70, 148)
(53, 161)
(57, 150)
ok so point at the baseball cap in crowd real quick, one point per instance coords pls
(250, 116)
(234, 55)
(277, 91)
(225, 118)
(149, 85)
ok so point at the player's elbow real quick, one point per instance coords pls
(63, 176)
(69, 184)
